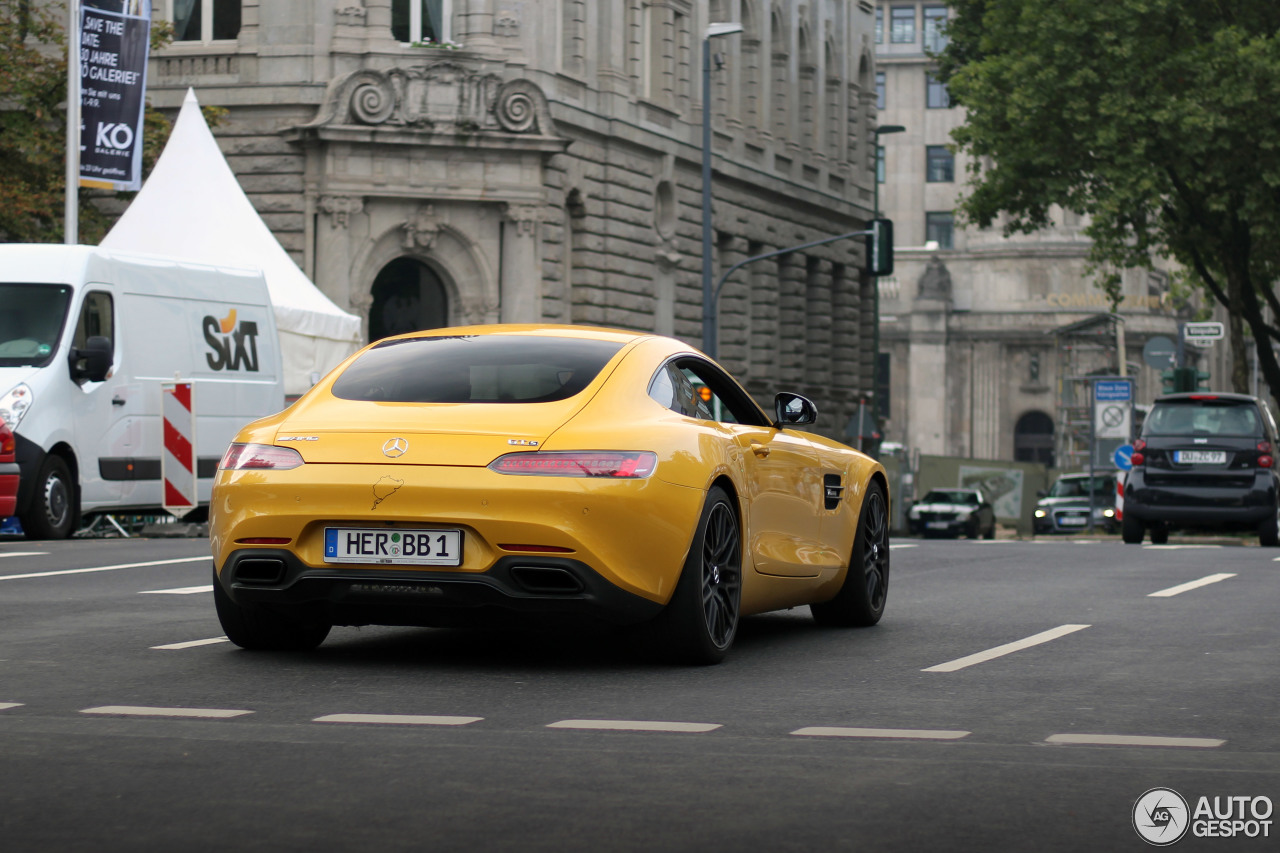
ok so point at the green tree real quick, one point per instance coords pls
(1156, 118)
(33, 127)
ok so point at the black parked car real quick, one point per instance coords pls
(1065, 507)
(953, 512)
(1204, 461)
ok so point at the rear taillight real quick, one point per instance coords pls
(7, 441)
(1138, 458)
(243, 457)
(620, 464)
(1265, 461)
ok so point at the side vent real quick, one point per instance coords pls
(832, 491)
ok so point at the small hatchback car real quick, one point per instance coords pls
(1205, 460)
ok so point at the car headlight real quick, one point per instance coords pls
(15, 404)
(1041, 513)
(1109, 513)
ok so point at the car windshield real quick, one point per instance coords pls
(1204, 417)
(1078, 487)
(945, 496)
(31, 322)
(475, 369)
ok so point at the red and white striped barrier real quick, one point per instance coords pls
(178, 461)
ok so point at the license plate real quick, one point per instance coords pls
(393, 547)
(1200, 457)
(1073, 520)
(937, 525)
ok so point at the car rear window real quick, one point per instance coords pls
(1204, 417)
(475, 369)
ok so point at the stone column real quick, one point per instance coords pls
(791, 319)
(475, 25)
(521, 278)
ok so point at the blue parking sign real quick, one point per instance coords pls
(1113, 390)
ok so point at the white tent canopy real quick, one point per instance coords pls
(192, 207)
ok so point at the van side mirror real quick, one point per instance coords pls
(93, 362)
(793, 410)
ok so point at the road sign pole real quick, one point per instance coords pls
(1093, 445)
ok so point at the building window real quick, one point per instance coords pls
(879, 165)
(940, 165)
(940, 228)
(204, 20)
(935, 25)
(936, 97)
(902, 24)
(879, 25)
(880, 90)
(420, 21)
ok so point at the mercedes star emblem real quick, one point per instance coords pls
(395, 447)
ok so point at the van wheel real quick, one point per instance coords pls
(1131, 530)
(260, 629)
(861, 599)
(53, 510)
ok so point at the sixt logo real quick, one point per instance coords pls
(232, 350)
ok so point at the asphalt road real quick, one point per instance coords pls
(1017, 696)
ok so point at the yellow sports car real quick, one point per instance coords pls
(485, 474)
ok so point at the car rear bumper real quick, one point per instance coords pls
(514, 590)
(1200, 505)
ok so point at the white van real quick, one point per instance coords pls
(87, 339)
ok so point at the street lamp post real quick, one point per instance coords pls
(708, 297)
(875, 281)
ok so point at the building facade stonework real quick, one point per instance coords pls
(538, 161)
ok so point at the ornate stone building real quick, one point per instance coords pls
(440, 162)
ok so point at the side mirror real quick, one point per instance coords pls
(793, 410)
(94, 361)
(1041, 493)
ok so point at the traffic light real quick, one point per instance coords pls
(1184, 379)
(880, 247)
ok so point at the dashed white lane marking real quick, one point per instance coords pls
(23, 553)
(1006, 649)
(1135, 740)
(397, 719)
(893, 547)
(634, 726)
(144, 711)
(1178, 547)
(191, 644)
(914, 734)
(182, 590)
(1190, 585)
(106, 568)
(4, 706)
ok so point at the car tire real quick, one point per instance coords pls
(1269, 532)
(974, 528)
(991, 531)
(1131, 530)
(701, 621)
(259, 629)
(861, 599)
(1159, 534)
(54, 509)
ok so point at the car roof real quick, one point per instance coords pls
(1206, 395)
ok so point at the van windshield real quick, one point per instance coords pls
(31, 322)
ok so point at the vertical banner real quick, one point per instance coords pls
(178, 460)
(115, 39)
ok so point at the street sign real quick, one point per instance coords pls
(1123, 457)
(1200, 334)
(1113, 390)
(1112, 420)
(1160, 353)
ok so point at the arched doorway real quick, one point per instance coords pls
(407, 296)
(1033, 439)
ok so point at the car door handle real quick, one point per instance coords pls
(117, 401)
(759, 450)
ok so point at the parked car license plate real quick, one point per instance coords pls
(937, 525)
(1073, 520)
(393, 546)
(1200, 457)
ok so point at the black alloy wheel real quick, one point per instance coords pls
(861, 599)
(721, 575)
(701, 621)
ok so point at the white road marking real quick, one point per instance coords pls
(397, 719)
(107, 568)
(1006, 649)
(4, 706)
(893, 547)
(182, 590)
(1178, 547)
(1190, 585)
(191, 644)
(1135, 740)
(23, 553)
(634, 726)
(915, 734)
(144, 711)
